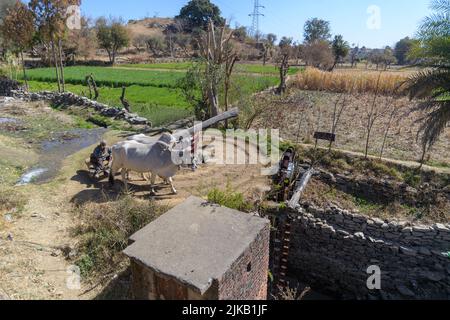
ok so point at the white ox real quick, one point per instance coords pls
(159, 158)
(142, 138)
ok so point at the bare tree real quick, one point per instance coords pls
(215, 50)
(284, 70)
(230, 61)
(393, 113)
(339, 107)
(283, 66)
(373, 113)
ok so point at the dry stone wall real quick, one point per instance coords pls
(332, 249)
(71, 99)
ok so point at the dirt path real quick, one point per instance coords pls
(33, 264)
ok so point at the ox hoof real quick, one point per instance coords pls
(174, 192)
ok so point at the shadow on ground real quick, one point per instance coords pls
(101, 191)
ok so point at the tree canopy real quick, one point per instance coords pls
(197, 13)
(112, 36)
(317, 30)
(17, 27)
(402, 49)
(340, 48)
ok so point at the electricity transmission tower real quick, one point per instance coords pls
(254, 31)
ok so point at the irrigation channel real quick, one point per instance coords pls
(52, 153)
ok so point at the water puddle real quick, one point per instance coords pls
(31, 176)
(54, 151)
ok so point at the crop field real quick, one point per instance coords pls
(239, 68)
(152, 89)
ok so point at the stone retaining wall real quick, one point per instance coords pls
(384, 190)
(332, 249)
(71, 99)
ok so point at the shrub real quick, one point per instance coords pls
(100, 121)
(378, 168)
(412, 178)
(105, 228)
(229, 199)
(9, 200)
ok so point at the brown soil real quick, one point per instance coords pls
(299, 114)
(33, 265)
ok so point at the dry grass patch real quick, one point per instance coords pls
(362, 82)
(104, 230)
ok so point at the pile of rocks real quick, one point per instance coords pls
(7, 86)
(71, 99)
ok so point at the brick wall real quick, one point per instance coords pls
(241, 284)
(333, 248)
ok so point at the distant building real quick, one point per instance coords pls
(200, 251)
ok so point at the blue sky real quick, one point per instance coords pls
(398, 18)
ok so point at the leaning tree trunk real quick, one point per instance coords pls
(213, 100)
(61, 66)
(55, 60)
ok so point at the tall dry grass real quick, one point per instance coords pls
(104, 229)
(386, 83)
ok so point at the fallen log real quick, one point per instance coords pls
(233, 113)
(201, 126)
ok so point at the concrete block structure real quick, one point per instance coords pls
(201, 251)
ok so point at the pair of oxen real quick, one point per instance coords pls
(161, 157)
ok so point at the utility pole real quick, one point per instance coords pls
(255, 32)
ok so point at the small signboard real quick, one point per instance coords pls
(325, 136)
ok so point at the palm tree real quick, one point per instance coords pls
(432, 85)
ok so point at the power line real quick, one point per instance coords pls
(255, 31)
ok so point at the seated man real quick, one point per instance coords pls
(98, 158)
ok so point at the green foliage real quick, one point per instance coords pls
(156, 44)
(366, 206)
(431, 85)
(412, 178)
(340, 48)
(109, 77)
(160, 96)
(112, 35)
(317, 30)
(105, 228)
(378, 168)
(197, 13)
(403, 49)
(229, 199)
(100, 121)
